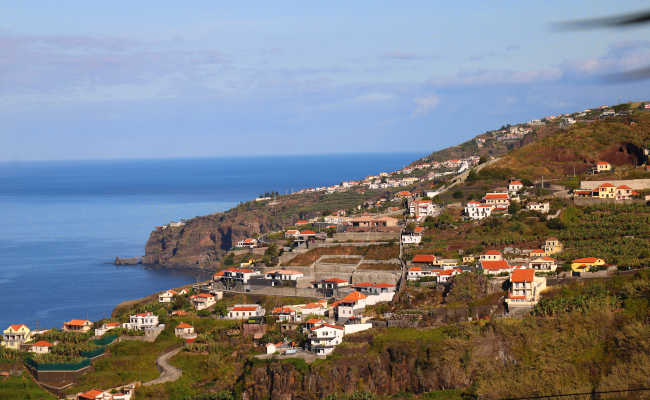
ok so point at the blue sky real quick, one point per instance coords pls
(153, 79)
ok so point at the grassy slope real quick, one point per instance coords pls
(22, 387)
(579, 146)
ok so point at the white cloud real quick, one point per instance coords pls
(425, 104)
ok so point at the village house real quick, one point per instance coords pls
(184, 330)
(286, 314)
(421, 208)
(233, 276)
(416, 273)
(537, 253)
(77, 325)
(301, 222)
(542, 208)
(375, 292)
(411, 237)
(468, 260)
(41, 347)
(349, 306)
(283, 275)
(202, 301)
(586, 263)
(607, 191)
(249, 243)
(15, 336)
(372, 222)
(106, 326)
(525, 288)
(167, 296)
(245, 311)
(624, 192)
(291, 233)
(329, 286)
(141, 321)
(515, 186)
(317, 308)
(123, 393)
(179, 313)
(478, 211)
(543, 264)
(323, 338)
(552, 246)
(424, 259)
(492, 263)
(602, 166)
(498, 200)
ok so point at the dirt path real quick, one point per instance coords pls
(168, 373)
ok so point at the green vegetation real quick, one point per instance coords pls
(22, 387)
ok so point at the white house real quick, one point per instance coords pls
(323, 338)
(515, 186)
(350, 306)
(317, 308)
(492, 263)
(525, 288)
(238, 275)
(107, 326)
(244, 311)
(498, 200)
(421, 208)
(478, 211)
(375, 292)
(202, 301)
(184, 330)
(247, 243)
(41, 347)
(543, 208)
(287, 314)
(414, 237)
(283, 275)
(167, 296)
(141, 321)
(543, 264)
(445, 274)
(415, 273)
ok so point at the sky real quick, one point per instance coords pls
(164, 79)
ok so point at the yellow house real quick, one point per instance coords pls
(603, 166)
(607, 191)
(552, 246)
(14, 336)
(468, 259)
(583, 264)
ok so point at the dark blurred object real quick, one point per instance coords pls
(619, 21)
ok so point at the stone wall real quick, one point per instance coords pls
(636, 184)
(366, 236)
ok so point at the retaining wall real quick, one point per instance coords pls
(366, 236)
(636, 184)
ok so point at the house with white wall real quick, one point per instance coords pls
(245, 311)
(141, 321)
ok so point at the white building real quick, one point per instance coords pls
(498, 200)
(525, 288)
(543, 264)
(247, 243)
(185, 331)
(323, 338)
(493, 263)
(375, 292)
(515, 186)
(543, 208)
(421, 208)
(244, 311)
(167, 296)
(107, 326)
(415, 273)
(412, 237)
(350, 306)
(478, 211)
(202, 301)
(141, 321)
(41, 347)
(15, 335)
(283, 275)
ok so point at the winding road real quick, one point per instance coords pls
(168, 373)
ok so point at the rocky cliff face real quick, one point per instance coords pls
(202, 241)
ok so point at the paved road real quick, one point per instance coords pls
(168, 373)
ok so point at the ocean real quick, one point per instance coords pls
(64, 222)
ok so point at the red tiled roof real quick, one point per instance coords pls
(15, 327)
(516, 183)
(112, 324)
(522, 275)
(606, 185)
(384, 285)
(419, 229)
(307, 232)
(624, 187)
(312, 305)
(190, 340)
(313, 321)
(495, 265)
(585, 260)
(362, 284)
(42, 343)
(244, 308)
(91, 394)
(424, 258)
(491, 196)
(329, 326)
(301, 221)
(278, 310)
(537, 251)
(548, 259)
(183, 325)
(335, 280)
(602, 163)
(77, 322)
(492, 253)
(415, 269)
(516, 297)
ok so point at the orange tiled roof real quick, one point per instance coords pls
(91, 394)
(424, 258)
(183, 325)
(244, 308)
(492, 253)
(585, 260)
(77, 322)
(15, 327)
(522, 275)
(495, 265)
(42, 343)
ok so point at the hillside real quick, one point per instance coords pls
(551, 150)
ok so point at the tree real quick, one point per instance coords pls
(482, 160)
(514, 207)
(457, 194)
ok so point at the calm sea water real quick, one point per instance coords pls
(64, 222)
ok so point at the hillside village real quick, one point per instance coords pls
(440, 242)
